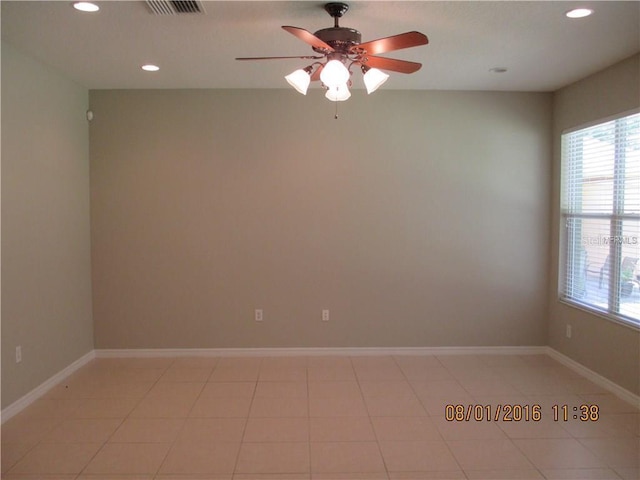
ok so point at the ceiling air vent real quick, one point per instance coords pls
(175, 7)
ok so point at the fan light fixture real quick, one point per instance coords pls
(334, 73)
(338, 49)
(579, 13)
(339, 93)
(300, 79)
(86, 7)
(373, 78)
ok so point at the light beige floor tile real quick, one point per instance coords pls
(111, 476)
(153, 362)
(82, 431)
(406, 406)
(106, 408)
(38, 477)
(405, 429)
(507, 474)
(545, 428)
(10, 453)
(581, 474)
(236, 370)
(277, 373)
(229, 389)
(330, 373)
(488, 454)
(417, 456)
(607, 426)
(558, 454)
(435, 406)
(279, 407)
(428, 374)
(347, 457)
(277, 430)
(337, 407)
(200, 458)
(66, 458)
(451, 475)
(341, 429)
(398, 388)
(175, 390)
(628, 473)
(272, 476)
(135, 375)
(330, 389)
(109, 390)
(212, 430)
(608, 403)
(350, 476)
(281, 390)
(273, 458)
(26, 430)
(373, 361)
(128, 458)
(489, 386)
(147, 430)
(616, 452)
(174, 374)
(417, 361)
(329, 361)
(195, 362)
(437, 388)
(208, 406)
(471, 430)
(383, 373)
(53, 407)
(159, 407)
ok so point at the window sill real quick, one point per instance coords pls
(625, 322)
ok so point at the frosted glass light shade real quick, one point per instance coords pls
(339, 93)
(334, 73)
(299, 80)
(373, 79)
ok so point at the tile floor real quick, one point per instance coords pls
(331, 418)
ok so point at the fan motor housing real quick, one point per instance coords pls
(340, 38)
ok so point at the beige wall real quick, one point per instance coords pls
(46, 278)
(606, 347)
(417, 218)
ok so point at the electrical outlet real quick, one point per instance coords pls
(325, 315)
(568, 332)
(18, 354)
(258, 315)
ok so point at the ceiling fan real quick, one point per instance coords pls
(340, 49)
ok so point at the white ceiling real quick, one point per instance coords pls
(542, 49)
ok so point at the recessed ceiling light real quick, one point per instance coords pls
(150, 68)
(86, 7)
(579, 13)
(498, 70)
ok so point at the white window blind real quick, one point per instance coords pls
(601, 218)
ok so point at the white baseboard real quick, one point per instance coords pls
(22, 403)
(596, 378)
(315, 351)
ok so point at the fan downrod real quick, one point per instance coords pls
(336, 10)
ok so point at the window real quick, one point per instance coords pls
(600, 211)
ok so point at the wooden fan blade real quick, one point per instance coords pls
(304, 57)
(383, 63)
(396, 42)
(308, 37)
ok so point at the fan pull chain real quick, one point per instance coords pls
(336, 114)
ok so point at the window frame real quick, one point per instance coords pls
(615, 218)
